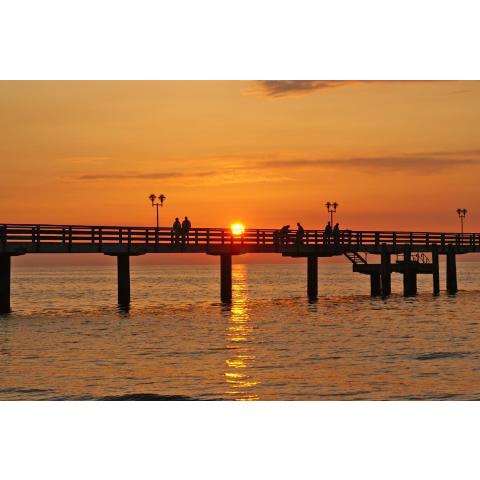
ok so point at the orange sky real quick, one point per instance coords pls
(395, 155)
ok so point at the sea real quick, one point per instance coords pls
(66, 339)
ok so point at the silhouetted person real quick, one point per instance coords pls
(186, 226)
(284, 234)
(327, 233)
(300, 233)
(336, 234)
(176, 230)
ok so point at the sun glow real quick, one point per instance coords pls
(237, 228)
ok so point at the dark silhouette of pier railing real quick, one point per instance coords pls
(52, 237)
(125, 241)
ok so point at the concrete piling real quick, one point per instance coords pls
(312, 277)
(5, 276)
(123, 279)
(226, 278)
(452, 286)
(375, 284)
(409, 275)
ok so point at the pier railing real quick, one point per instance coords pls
(98, 235)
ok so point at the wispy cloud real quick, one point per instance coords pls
(222, 176)
(264, 167)
(421, 163)
(142, 175)
(408, 164)
(450, 153)
(282, 88)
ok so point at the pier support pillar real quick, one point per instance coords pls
(375, 284)
(436, 271)
(226, 278)
(452, 286)
(312, 277)
(409, 276)
(386, 272)
(5, 275)
(123, 278)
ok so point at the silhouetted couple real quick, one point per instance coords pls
(284, 234)
(329, 232)
(181, 230)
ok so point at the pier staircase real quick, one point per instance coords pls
(356, 258)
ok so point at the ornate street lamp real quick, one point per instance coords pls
(331, 209)
(461, 212)
(161, 198)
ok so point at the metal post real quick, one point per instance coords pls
(5, 275)
(123, 279)
(312, 277)
(226, 278)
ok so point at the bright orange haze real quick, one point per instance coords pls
(395, 155)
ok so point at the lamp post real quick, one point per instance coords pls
(461, 212)
(331, 209)
(161, 199)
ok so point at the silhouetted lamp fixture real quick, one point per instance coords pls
(331, 209)
(461, 212)
(161, 199)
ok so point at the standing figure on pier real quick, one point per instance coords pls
(300, 233)
(176, 230)
(186, 226)
(327, 234)
(336, 234)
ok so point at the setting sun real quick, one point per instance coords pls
(237, 228)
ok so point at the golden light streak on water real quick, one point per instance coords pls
(238, 375)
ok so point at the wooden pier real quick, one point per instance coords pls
(417, 252)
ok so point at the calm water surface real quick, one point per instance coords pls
(66, 339)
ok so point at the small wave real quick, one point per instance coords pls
(344, 394)
(145, 397)
(23, 390)
(319, 359)
(431, 397)
(439, 355)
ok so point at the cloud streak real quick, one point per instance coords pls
(282, 88)
(451, 153)
(141, 175)
(273, 167)
(419, 165)
(221, 176)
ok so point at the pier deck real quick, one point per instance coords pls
(125, 241)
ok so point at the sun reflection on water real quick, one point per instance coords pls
(238, 375)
